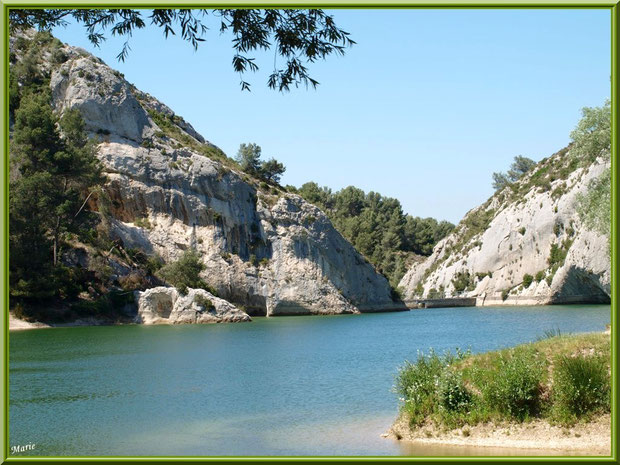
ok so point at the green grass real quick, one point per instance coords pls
(561, 378)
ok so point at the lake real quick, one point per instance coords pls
(304, 385)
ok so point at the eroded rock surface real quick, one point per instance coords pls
(166, 305)
(169, 189)
(539, 234)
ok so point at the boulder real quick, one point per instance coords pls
(166, 305)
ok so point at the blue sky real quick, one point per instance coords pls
(424, 108)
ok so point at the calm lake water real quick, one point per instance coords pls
(316, 385)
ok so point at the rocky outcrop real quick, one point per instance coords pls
(168, 190)
(166, 305)
(525, 246)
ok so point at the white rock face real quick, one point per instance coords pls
(271, 252)
(103, 97)
(518, 240)
(166, 305)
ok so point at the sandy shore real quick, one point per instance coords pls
(593, 438)
(15, 324)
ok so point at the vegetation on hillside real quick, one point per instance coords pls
(560, 378)
(60, 252)
(519, 167)
(249, 160)
(591, 140)
(184, 273)
(53, 171)
(377, 227)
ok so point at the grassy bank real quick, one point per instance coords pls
(561, 379)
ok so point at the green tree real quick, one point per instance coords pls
(56, 171)
(377, 227)
(518, 168)
(248, 158)
(591, 140)
(320, 196)
(592, 136)
(272, 170)
(300, 37)
(500, 180)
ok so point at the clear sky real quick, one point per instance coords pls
(424, 108)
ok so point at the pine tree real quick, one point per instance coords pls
(56, 170)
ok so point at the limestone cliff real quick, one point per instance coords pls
(264, 249)
(524, 246)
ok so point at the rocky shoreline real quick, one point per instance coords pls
(167, 305)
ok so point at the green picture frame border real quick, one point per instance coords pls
(6, 5)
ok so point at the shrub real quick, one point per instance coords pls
(309, 220)
(133, 281)
(462, 281)
(505, 294)
(556, 255)
(147, 144)
(59, 56)
(143, 223)
(153, 264)
(426, 386)
(515, 392)
(419, 289)
(436, 294)
(416, 383)
(204, 302)
(580, 386)
(109, 305)
(527, 280)
(263, 262)
(253, 260)
(540, 276)
(522, 231)
(453, 395)
(185, 272)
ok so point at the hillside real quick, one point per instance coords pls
(526, 245)
(168, 190)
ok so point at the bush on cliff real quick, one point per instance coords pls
(185, 272)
